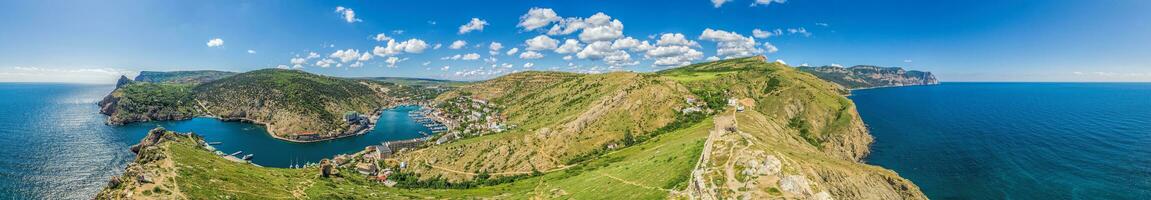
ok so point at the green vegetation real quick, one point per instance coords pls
(182, 77)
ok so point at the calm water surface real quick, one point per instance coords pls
(1015, 140)
(57, 146)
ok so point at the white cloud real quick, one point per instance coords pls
(393, 60)
(568, 57)
(251, 51)
(365, 56)
(312, 55)
(215, 42)
(531, 55)
(800, 31)
(538, 17)
(730, 44)
(541, 42)
(529, 65)
(438, 45)
(513, 51)
(283, 67)
(567, 26)
(348, 13)
(675, 39)
(298, 61)
(712, 58)
(601, 28)
(393, 47)
(382, 37)
(673, 49)
(602, 50)
(719, 3)
(458, 44)
(325, 63)
(780, 61)
(631, 44)
(445, 68)
(345, 55)
(767, 2)
(471, 56)
(570, 46)
(765, 34)
(356, 64)
(494, 48)
(836, 65)
(769, 47)
(476, 24)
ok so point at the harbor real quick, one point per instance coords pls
(252, 141)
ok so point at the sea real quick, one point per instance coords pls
(1014, 140)
(56, 145)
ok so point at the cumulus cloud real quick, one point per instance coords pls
(719, 3)
(531, 55)
(494, 48)
(765, 34)
(393, 60)
(470, 56)
(769, 47)
(513, 51)
(345, 55)
(730, 44)
(476, 24)
(325, 63)
(673, 49)
(215, 42)
(382, 37)
(348, 13)
(251, 51)
(601, 27)
(529, 65)
(541, 42)
(601, 50)
(298, 61)
(458, 44)
(631, 44)
(537, 18)
(569, 46)
(393, 47)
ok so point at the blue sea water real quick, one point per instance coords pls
(56, 145)
(1014, 140)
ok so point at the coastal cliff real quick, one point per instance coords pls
(738, 128)
(293, 105)
(866, 76)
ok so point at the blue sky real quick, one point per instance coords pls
(1012, 40)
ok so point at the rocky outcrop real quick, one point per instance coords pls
(866, 76)
(123, 81)
(150, 171)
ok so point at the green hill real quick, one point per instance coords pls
(184, 77)
(289, 102)
(739, 128)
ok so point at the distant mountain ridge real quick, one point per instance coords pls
(192, 77)
(868, 76)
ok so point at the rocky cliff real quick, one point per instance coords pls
(866, 76)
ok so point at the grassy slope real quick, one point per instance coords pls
(640, 171)
(559, 117)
